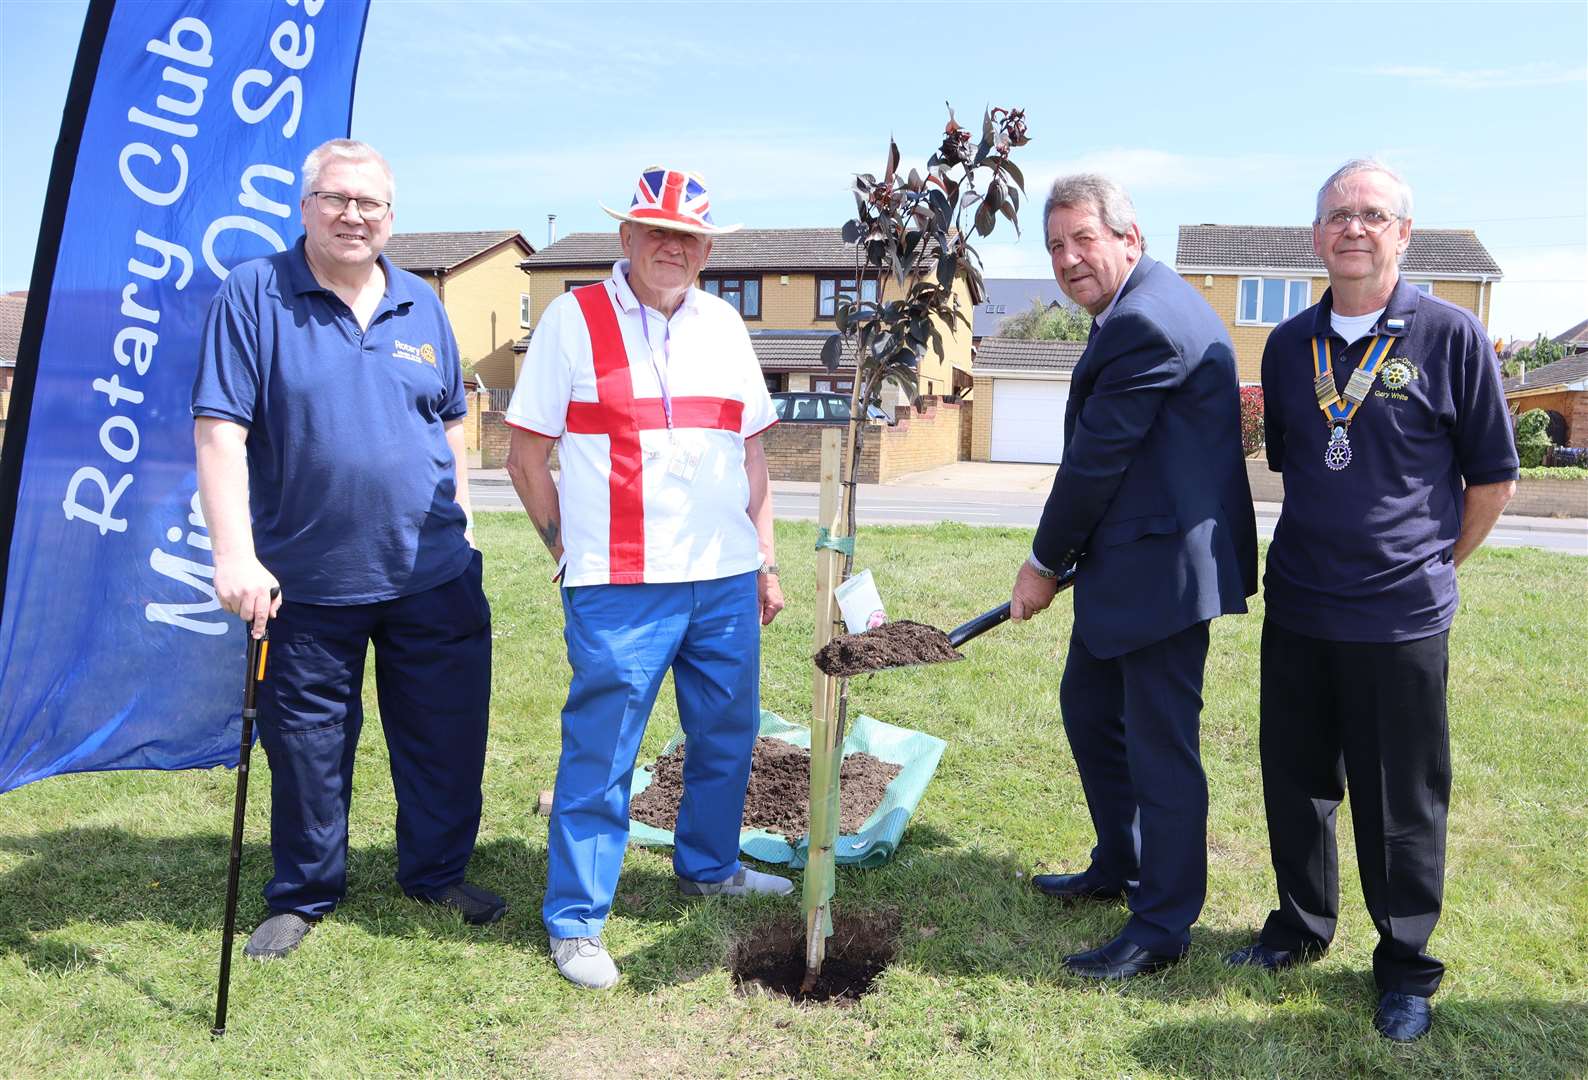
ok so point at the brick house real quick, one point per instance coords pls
(12, 307)
(476, 275)
(1560, 389)
(1256, 276)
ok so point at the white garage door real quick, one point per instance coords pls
(1028, 419)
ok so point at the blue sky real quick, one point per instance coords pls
(497, 114)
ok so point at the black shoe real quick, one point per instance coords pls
(1119, 959)
(277, 936)
(1266, 956)
(1403, 1017)
(1083, 886)
(477, 906)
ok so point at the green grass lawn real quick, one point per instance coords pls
(112, 885)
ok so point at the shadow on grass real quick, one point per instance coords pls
(1332, 1035)
(963, 914)
(110, 876)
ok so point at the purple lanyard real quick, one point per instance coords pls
(667, 358)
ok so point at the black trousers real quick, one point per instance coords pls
(1133, 722)
(1371, 715)
(433, 682)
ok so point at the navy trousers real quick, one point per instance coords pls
(433, 681)
(1371, 714)
(1134, 726)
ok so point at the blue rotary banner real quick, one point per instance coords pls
(183, 133)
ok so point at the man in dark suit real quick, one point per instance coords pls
(1152, 507)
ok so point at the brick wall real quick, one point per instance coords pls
(967, 423)
(1550, 498)
(923, 437)
(981, 422)
(794, 451)
(494, 438)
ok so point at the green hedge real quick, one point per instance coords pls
(1563, 472)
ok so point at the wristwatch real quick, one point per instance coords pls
(769, 569)
(1041, 571)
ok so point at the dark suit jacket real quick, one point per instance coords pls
(1151, 494)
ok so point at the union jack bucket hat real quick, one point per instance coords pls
(672, 199)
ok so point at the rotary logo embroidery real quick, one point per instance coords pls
(1398, 373)
(419, 354)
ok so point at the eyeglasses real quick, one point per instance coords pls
(334, 204)
(1373, 219)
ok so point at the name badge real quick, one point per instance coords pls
(685, 462)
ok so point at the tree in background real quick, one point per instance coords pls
(1252, 437)
(1542, 351)
(1532, 437)
(1041, 322)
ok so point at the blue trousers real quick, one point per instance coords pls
(433, 680)
(1133, 723)
(622, 639)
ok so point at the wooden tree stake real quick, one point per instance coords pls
(826, 752)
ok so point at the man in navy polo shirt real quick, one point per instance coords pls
(1384, 412)
(329, 409)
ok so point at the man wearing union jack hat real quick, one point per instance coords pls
(661, 525)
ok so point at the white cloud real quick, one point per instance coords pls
(1521, 75)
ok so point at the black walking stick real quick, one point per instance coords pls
(257, 650)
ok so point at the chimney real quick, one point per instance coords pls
(551, 229)
(1521, 373)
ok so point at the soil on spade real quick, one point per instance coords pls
(778, 799)
(893, 644)
(769, 961)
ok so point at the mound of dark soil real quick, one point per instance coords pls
(892, 644)
(778, 799)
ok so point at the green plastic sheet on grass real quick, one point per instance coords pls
(915, 752)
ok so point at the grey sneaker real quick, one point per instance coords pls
(277, 936)
(746, 882)
(584, 961)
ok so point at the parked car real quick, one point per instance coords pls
(817, 407)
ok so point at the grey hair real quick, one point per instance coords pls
(1403, 207)
(1095, 192)
(344, 150)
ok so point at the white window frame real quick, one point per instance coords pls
(1284, 307)
(523, 310)
(1424, 287)
(826, 307)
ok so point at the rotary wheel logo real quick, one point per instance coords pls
(1398, 373)
(427, 353)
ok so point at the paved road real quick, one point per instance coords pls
(923, 504)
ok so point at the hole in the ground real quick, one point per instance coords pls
(769, 960)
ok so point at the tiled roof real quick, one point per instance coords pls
(1560, 373)
(749, 249)
(789, 350)
(1020, 354)
(1011, 296)
(12, 306)
(1577, 335)
(431, 251)
(1289, 247)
